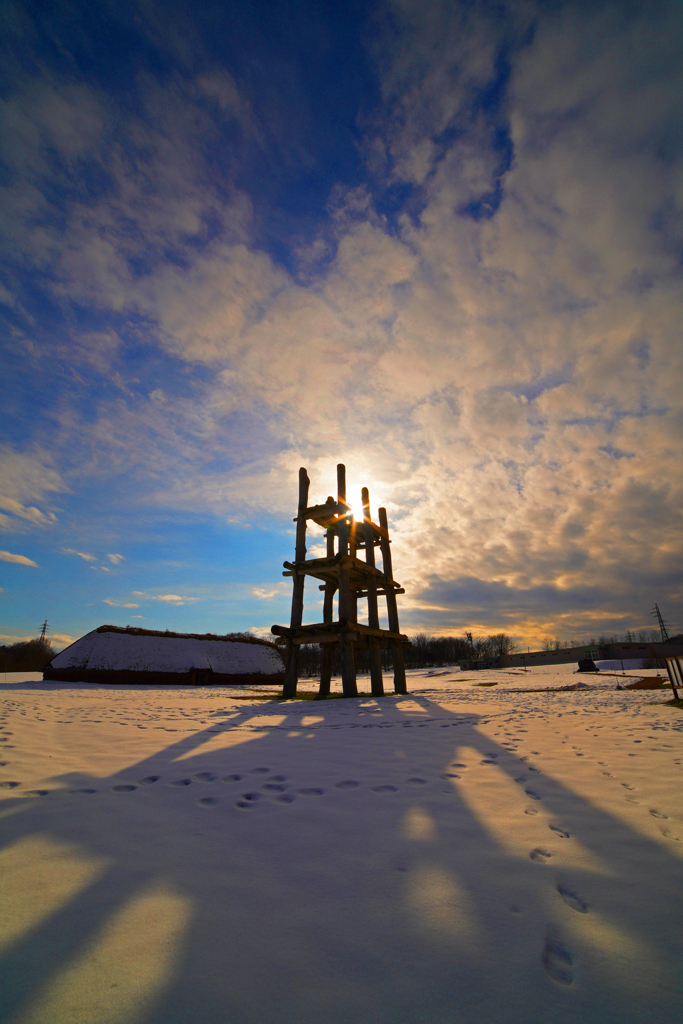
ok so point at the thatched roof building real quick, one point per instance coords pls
(111, 654)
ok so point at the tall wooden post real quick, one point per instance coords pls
(376, 681)
(392, 609)
(328, 616)
(292, 668)
(348, 662)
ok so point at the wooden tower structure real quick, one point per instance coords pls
(343, 574)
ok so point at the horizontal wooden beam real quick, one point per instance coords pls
(314, 629)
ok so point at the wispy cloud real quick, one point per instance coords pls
(177, 599)
(9, 556)
(115, 559)
(81, 554)
(119, 604)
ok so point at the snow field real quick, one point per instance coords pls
(461, 854)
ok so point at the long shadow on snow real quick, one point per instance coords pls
(274, 930)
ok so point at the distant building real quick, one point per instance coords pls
(111, 654)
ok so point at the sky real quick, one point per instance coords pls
(441, 242)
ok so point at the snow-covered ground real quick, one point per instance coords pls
(467, 854)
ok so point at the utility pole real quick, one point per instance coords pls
(662, 624)
(43, 632)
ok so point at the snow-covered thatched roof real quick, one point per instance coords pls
(110, 648)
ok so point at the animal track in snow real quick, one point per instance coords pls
(149, 780)
(658, 814)
(626, 786)
(572, 900)
(558, 962)
(560, 831)
(532, 794)
(205, 777)
(608, 775)
(540, 855)
(9, 785)
(181, 782)
(669, 834)
(232, 778)
(531, 810)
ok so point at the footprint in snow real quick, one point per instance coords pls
(9, 785)
(608, 775)
(530, 792)
(626, 786)
(181, 782)
(149, 780)
(669, 834)
(286, 798)
(658, 814)
(232, 778)
(123, 789)
(540, 855)
(531, 810)
(38, 792)
(572, 900)
(558, 962)
(205, 777)
(208, 801)
(560, 831)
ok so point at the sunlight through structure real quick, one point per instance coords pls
(343, 572)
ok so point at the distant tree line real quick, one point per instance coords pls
(642, 636)
(424, 651)
(26, 656)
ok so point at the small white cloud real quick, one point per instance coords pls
(167, 598)
(115, 559)
(8, 556)
(120, 604)
(137, 616)
(81, 554)
(264, 594)
(101, 568)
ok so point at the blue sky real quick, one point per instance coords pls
(441, 242)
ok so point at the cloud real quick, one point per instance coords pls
(100, 568)
(267, 593)
(176, 599)
(8, 556)
(27, 478)
(81, 554)
(118, 604)
(115, 559)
